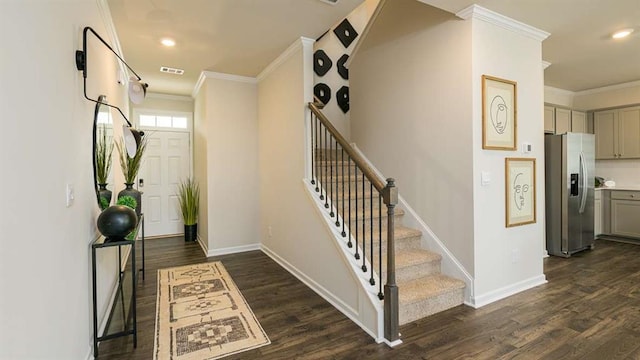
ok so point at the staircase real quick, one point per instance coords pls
(423, 289)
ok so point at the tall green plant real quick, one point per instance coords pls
(131, 165)
(189, 198)
(103, 154)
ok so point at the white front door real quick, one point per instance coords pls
(166, 163)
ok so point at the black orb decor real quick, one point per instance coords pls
(116, 222)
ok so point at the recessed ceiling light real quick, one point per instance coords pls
(168, 42)
(622, 33)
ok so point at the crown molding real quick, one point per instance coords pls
(478, 12)
(204, 75)
(152, 95)
(609, 88)
(298, 44)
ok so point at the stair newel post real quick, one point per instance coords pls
(391, 303)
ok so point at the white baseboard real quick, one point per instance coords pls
(204, 246)
(348, 311)
(233, 250)
(507, 291)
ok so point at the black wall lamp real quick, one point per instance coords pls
(137, 91)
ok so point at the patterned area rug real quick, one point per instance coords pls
(200, 314)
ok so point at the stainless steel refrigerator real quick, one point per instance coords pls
(569, 180)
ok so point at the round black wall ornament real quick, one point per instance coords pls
(345, 33)
(322, 92)
(342, 97)
(342, 70)
(321, 62)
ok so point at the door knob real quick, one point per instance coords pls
(140, 182)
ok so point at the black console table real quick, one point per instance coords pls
(121, 320)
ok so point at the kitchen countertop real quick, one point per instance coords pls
(620, 187)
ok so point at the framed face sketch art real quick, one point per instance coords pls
(520, 191)
(499, 113)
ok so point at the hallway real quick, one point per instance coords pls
(590, 309)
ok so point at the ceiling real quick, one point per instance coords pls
(239, 37)
(242, 37)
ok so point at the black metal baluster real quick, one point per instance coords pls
(313, 140)
(356, 206)
(344, 233)
(380, 294)
(335, 203)
(349, 244)
(324, 182)
(322, 160)
(364, 224)
(333, 199)
(315, 154)
(371, 280)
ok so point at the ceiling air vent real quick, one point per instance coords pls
(332, 2)
(169, 70)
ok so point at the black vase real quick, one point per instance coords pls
(191, 232)
(130, 191)
(116, 222)
(105, 193)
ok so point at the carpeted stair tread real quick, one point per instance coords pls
(415, 256)
(426, 287)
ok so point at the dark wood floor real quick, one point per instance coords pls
(590, 309)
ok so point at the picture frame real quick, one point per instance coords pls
(520, 191)
(499, 113)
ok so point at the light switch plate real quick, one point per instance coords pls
(70, 194)
(485, 178)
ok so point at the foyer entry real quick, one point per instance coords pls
(166, 163)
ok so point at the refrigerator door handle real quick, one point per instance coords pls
(583, 167)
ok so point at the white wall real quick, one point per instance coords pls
(291, 229)
(560, 97)
(165, 102)
(232, 162)
(200, 163)
(506, 259)
(610, 96)
(411, 115)
(45, 143)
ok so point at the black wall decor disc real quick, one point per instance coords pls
(321, 62)
(342, 97)
(322, 92)
(342, 70)
(345, 33)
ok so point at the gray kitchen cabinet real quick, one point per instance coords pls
(579, 122)
(549, 119)
(625, 212)
(563, 120)
(617, 133)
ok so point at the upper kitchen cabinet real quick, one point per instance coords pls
(549, 119)
(617, 133)
(579, 121)
(561, 120)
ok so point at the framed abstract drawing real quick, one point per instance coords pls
(520, 191)
(499, 113)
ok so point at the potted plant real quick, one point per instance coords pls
(189, 200)
(103, 161)
(130, 167)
